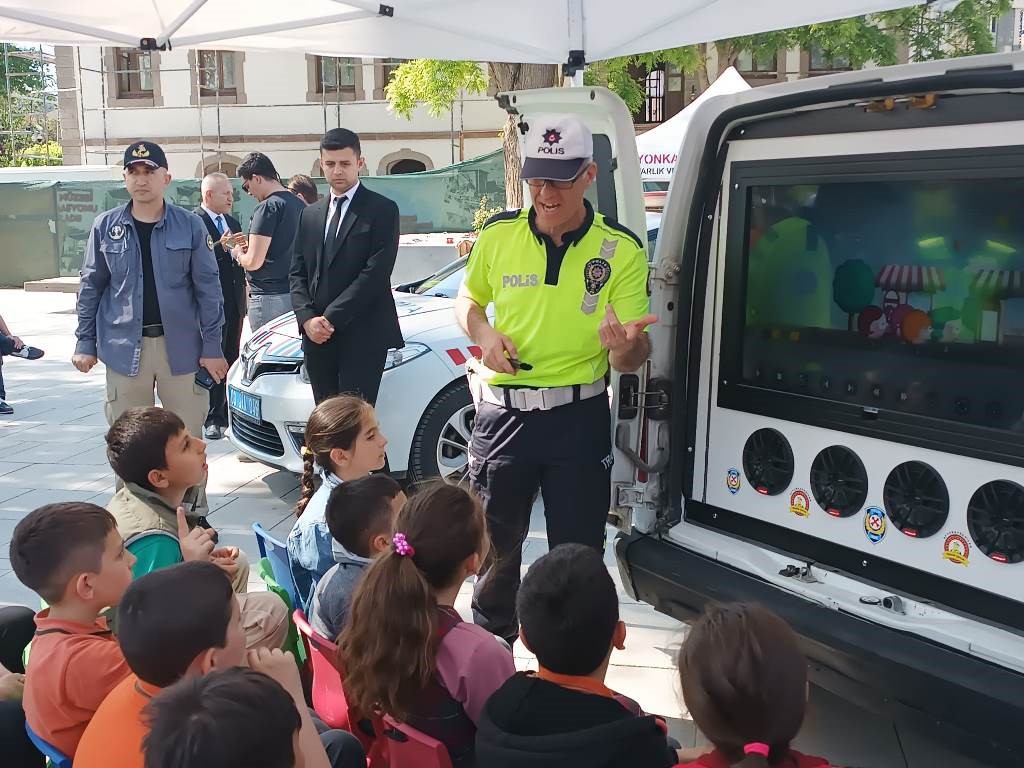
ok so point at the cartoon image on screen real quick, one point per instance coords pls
(901, 294)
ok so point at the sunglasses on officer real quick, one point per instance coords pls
(245, 186)
(563, 185)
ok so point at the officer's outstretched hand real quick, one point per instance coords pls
(494, 349)
(620, 337)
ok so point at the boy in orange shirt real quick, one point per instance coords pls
(164, 638)
(71, 555)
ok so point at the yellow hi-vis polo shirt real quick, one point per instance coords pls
(550, 300)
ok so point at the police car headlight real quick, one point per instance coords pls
(303, 374)
(410, 351)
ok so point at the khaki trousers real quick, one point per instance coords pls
(178, 394)
(264, 614)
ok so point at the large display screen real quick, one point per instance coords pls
(897, 287)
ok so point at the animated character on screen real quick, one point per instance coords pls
(916, 327)
(872, 322)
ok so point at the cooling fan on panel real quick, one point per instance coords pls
(839, 481)
(995, 519)
(916, 499)
(768, 462)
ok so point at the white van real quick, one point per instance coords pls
(832, 420)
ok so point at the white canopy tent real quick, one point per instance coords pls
(658, 147)
(538, 31)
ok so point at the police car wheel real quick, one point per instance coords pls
(440, 445)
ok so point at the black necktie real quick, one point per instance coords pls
(332, 228)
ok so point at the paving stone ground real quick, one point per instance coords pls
(51, 450)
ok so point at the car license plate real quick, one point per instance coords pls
(244, 403)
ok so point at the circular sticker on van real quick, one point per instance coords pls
(800, 503)
(956, 549)
(733, 481)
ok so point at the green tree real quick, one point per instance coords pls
(439, 83)
(620, 74)
(961, 31)
(25, 101)
(434, 83)
(853, 288)
(43, 153)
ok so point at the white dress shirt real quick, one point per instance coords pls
(214, 216)
(346, 200)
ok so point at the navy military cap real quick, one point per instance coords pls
(145, 152)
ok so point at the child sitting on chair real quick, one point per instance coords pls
(238, 717)
(343, 442)
(72, 556)
(745, 685)
(152, 451)
(405, 650)
(361, 517)
(564, 714)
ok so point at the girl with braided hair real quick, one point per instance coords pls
(343, 442)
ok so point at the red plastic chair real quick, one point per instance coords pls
(328, 696)
(407, 747)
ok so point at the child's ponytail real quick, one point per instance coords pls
(388, 649)
(755, 755)
(306, 483)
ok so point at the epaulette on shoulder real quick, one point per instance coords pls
(613, 224)
(503, 216)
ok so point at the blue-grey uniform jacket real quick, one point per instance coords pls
(187, 285)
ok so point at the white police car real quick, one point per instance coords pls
(424, 406)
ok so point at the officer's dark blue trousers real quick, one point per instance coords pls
(565, 453)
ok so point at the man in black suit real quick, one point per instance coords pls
(218, 197)
(340, 279)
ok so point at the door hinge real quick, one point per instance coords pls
(655, 400)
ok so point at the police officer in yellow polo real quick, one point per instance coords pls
(569, 288)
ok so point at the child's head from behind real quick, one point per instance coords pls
(152, 448)
(72, 552)
(389, 645)
(180, 620)
(744, 681)
(361, 514)
(228, 718)
(343, 437)
(569, 611)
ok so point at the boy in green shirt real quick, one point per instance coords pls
(151, 450)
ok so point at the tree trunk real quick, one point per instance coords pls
(518, 77)
(703, 81)
(727, 55)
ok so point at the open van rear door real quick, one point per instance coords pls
(617, 194)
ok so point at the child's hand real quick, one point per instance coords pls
(278, 665)
(226, 558)
(197, 544)
(12, 686)
(227, 553)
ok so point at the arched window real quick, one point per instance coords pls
(406, 165)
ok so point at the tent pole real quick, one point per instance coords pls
(199, 109)
(103, 96)
(77, 53)
(165, 37)
(54, 22)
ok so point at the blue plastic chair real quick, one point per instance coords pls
(56, 758)
(277, 553)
